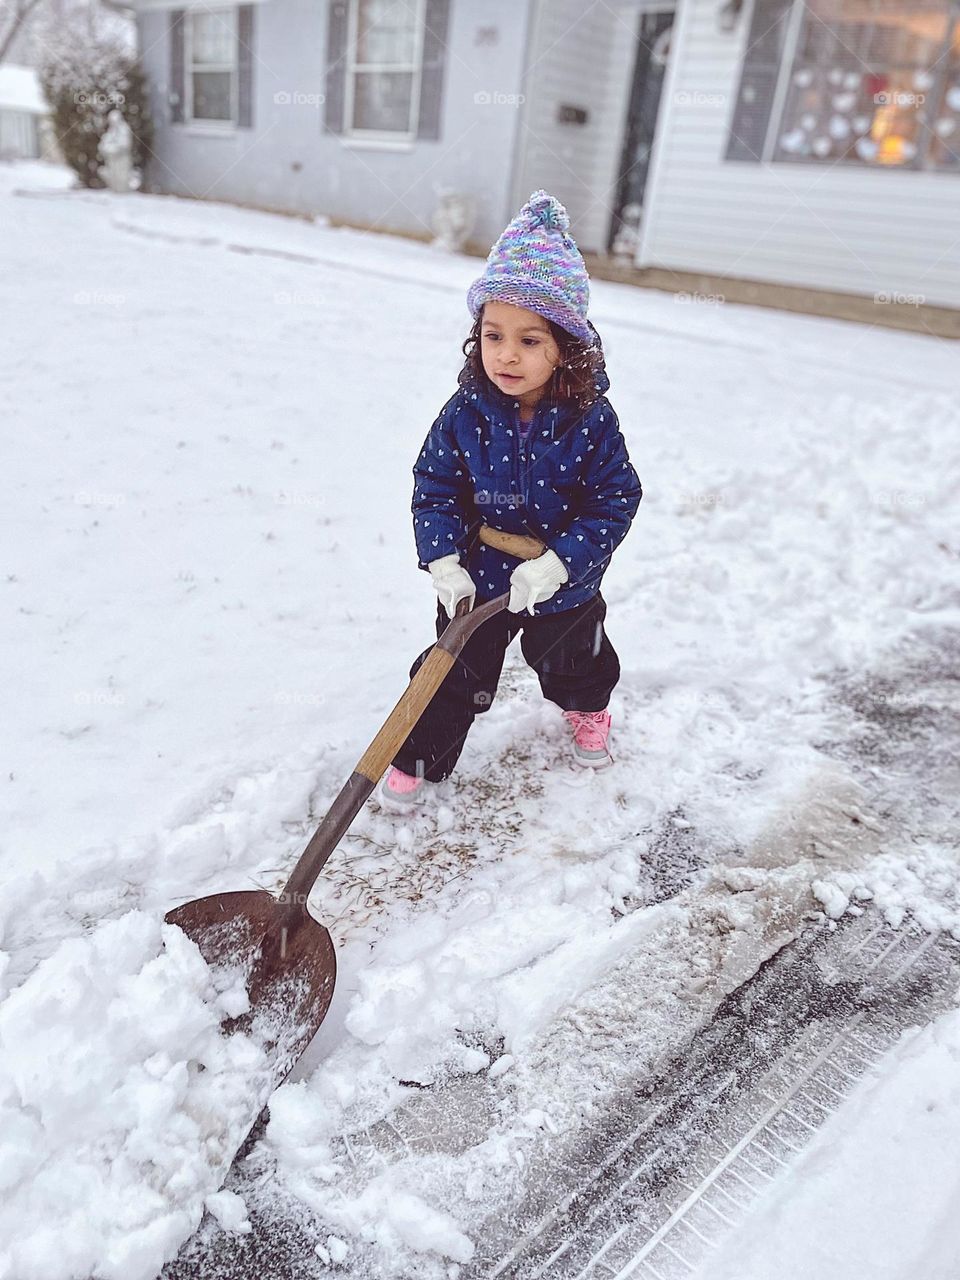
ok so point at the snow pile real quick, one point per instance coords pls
(923, 887)
(121, 1105)
(385, 1213)
(877, 1192)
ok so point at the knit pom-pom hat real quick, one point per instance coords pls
(537, 265)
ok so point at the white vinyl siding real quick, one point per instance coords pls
(837, 227)
(18, 135)
(581, 55)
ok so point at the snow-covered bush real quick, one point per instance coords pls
(88, 71)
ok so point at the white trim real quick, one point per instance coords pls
(364, 142)
(208, 129)
(518, 192)
(415, 69)
(637, 14)
(782, 86)
(205, 123)
(665, 112)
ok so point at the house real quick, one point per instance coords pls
(812, 144)
(23, 113)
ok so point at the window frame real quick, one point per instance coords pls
(921, 163)
(189, 66)
(350, 132)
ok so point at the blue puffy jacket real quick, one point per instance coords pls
(570, 484)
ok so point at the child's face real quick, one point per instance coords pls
(518, 351)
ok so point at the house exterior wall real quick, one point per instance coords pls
(581, 55)
(842, 228)
(19, 136)
(286, 160)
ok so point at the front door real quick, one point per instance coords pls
(653, 48)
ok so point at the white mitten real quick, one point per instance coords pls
(536, 580)
(452, 582)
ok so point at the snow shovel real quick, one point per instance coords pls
(286, 957)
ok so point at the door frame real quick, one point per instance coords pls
(683, 17)
(649, 7)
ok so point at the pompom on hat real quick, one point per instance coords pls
(536, 264)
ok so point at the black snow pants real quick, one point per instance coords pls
(570, 652)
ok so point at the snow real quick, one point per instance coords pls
(213, 602)
(229, 1210)
(835, 901)
(120, 1105)
(876, 1192)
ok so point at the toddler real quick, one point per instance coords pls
(528, 444)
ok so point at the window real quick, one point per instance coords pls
(212, 65)
(385, 67)
(945, 143)
(385, 41)
(873, 83)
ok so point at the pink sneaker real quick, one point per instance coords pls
(398, 792)
(590, 731)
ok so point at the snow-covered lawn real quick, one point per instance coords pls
(212, 601)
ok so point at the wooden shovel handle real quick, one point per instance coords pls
(438, 662)
(424, 685)
(514, 544)
(373, 763)
(384, 747)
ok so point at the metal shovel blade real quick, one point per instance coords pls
(285, 959)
